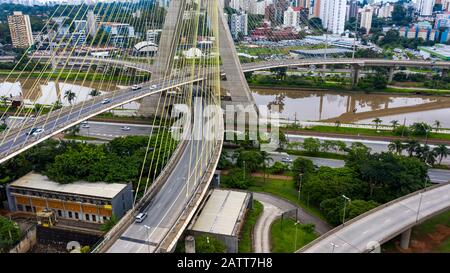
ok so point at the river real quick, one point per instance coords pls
(354, 107)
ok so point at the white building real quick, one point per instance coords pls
(332, 13)
(425, 7)
(366, 18)
(20, 28)
(291, 18)
(386, 10)
(239, 25)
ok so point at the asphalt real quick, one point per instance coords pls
(106, 130)
(381, 225)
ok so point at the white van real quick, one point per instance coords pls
(140, 217)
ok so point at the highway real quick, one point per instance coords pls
(170, 201)
(14, 141)
(382, 223)
(111, 130)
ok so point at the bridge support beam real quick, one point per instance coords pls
(405, 239)
(391, 74)
(355, 74)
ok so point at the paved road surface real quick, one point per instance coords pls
(111, 130)
(385, 223)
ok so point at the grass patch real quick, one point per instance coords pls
(285, 189)
(246, 240)
(445, 247)
(317, 154)
(283, 236)
(429, 226)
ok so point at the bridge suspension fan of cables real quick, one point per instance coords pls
(182, 95)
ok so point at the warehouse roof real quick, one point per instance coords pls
(37, 181)
(222, 212)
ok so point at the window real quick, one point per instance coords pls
(87, 217)
(70, 214)
(105, 218)
(76, 215)
(19, 207)
(59, 213)
(28, 208)
(94, 218)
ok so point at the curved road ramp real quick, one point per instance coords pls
(367, 232)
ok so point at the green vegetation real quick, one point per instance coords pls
(246, 242)
(108, 225)
(119, 161)
(208, 244)
(9, 233)
(288, 237)
(82, 138)
(429, 226)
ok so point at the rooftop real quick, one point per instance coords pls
(41, 182)
(222, 212)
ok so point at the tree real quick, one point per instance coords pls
(280, 72)
(224, 162)
(337, 123)
(377, 122)
(266, 159)
(208, 244)
(396, 146)
(420, 129)
(4, 99)
(411, 146)
(311, 145)
(108, 225)
(398, 14)
(316, 23)
(301, 167)
(250, 160)
(441, 151)
(238, 179)
(57, 105)
(9, 233)
(70, 96)
(94, 93)
(437, 125)
(278, 168)
(394, 124)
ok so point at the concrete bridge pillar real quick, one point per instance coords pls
(405, 239)
(189, 244)
(391, 74)
(355, 74)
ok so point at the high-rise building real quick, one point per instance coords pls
(239, 25)
(366, 18)
(332, 13)
(353, 8)
(316, 8)
(20, 28)
(425, 7)
(386, 10)
(292, 17)
(93, 21)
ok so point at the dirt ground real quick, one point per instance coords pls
(426, 243)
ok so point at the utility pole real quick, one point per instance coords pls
(345, 206)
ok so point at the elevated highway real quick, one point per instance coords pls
(373, 228)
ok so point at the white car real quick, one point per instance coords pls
(140, 217)
(153, 87)
(106, 101)
(135, 87)
(125, 128)
(86, 126)
(35, 132)
(286, 160)
(84, 122)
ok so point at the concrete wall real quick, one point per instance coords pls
(123, 201)
(27, 242)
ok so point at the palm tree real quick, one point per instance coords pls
(377, 122)
(94, 93)
(266, 159)
(70, 96)
(437, 125)
(412, 146)
(38, 108)
(441, 151)
(57, 105)
(396, 146)
(394, 124)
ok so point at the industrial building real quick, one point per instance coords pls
(81, 201)
(222, 217)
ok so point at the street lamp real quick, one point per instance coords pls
(299, 186)
(296, 229)
(418, 209)
(147, 228)
(334, 246)
(345, 206)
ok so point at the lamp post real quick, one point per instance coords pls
(147, 228)
(296, 229)
(299, 187)
(334, 246)
(418, 209)
(345, 206)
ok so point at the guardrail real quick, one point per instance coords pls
(349, 222)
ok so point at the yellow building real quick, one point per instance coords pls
(82, 201)
(20, 28)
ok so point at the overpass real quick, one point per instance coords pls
(368, 231)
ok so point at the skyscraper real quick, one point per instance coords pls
(425, 7)
(332, 13)
(20, 28)
(366, 18)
